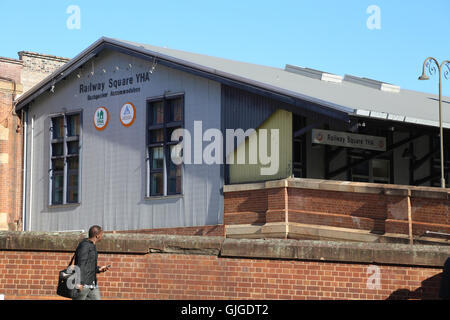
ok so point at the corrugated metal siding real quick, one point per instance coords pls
(243, 173)
(113, 178)
(244, 110)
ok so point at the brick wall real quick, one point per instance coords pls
(26, 72)
(10, 144)
(174, 267)
(378, 209)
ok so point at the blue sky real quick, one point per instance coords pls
(323, 34)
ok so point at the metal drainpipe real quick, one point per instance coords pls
(24, 172)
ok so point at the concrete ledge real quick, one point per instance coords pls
(381, 253)
(111, 243)
(345, 186)
(301, 231)
(395, 254)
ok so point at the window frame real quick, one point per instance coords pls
(65, 156)
(371, 178)
(165, 144)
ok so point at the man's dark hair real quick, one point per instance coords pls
(94, 230)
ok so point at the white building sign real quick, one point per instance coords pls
(127, 114)
(349, 140)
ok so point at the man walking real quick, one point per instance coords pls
(86, 260)
(444, 292)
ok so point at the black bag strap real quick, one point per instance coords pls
(71, 260)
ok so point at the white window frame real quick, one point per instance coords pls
(148, 158)
(65, 174)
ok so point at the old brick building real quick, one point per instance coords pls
(16, 77)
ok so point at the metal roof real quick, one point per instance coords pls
(350, 97)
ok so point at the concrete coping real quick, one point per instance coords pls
(11, 60)
(344, 186)
(41, 56)
(310, 250)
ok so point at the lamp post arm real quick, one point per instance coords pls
(446, 63)
(429, 68)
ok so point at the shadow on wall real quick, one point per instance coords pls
(429, 290)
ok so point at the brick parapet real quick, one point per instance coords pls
(374, 208)
(198, 268)
(311, 250)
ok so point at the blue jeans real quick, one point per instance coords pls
(87, 293)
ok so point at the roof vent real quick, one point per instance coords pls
(372, 83)
(312, 73)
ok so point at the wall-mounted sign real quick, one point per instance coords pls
(114, 86)
(349, 140)
(101, 118)
(127, 114)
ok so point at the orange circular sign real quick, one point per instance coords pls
(127, 114)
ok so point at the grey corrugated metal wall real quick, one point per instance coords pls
(113, 165)
(244, 110)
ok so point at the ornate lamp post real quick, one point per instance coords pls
(428, 63)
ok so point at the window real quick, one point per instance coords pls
(64, 159)
(164, 116)
(375, 170)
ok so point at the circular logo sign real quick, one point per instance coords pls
(319, 137)
(101, 118)
(127, 114)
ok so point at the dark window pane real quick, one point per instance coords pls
(173, 175)
(175, 109)
(361, 169)
(58, 165)
(174, 180)
(73, 181)
(72, 188)
(170, 130)
(73, 125)
(72, 147)
(72, 195)
(156, 136)
(380, 168)
(57, 188)
(58, 127)
(57, 149)
(156, 184)
(157, 157)
(157, 113)
(72, 163)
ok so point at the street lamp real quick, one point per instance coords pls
(432, 70)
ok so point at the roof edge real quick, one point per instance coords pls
(339, 112)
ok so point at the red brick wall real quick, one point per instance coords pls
(245, 207)
(10, 146)
(380, 213)
(33, 275)
(26, 72)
